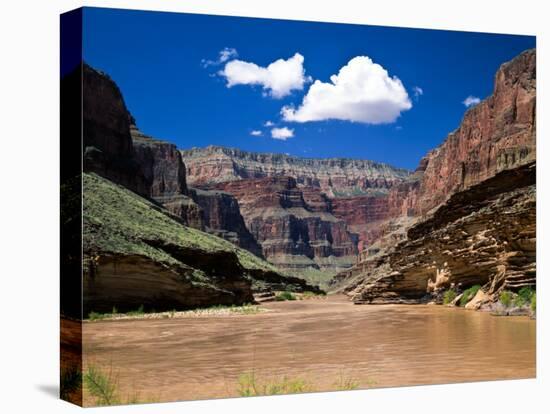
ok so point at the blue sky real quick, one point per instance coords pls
(169, 70)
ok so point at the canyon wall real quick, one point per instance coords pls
(309, 215)
(107, 143)
(468, 214)
(138, 214)
(335, 177)
(294, 226)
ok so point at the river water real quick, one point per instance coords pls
(324, 342)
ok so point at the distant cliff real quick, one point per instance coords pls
(336, 177)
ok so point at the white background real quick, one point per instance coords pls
(29, 236)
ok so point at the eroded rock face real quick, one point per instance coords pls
(161, 164)
(495, 135)
(470, 205)
(164, 171)
(108, 148)
(134, 281)
(334, 177)
(364, 216)
(490, 241)
(293, 234)
(222, 217)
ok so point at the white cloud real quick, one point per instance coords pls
(282, 133)
(256, 133)
(278, 79)
(227, 53)
(362, 91)
(471, 101)
(224, 55)
(268, 124)
(417, 91)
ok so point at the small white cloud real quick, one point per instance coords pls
(417, 92)
(398, 128)
(471, 101)
(227, 53)
(278, 79)
(362, 91)
(224, 55)
(256, 133)
(268, 124)
(282, 133)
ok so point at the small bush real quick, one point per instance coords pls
(524, 296)
(506, 298)
(285, 296)
(469, 294)
(449, 296)
(534, 303)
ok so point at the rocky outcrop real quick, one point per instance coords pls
(335, 177)
(161, 164)
(164, 171)
(222, 216)
(490, 239)
(294, 234)
(470, 206)
(108, 149)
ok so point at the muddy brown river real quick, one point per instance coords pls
(321, 341)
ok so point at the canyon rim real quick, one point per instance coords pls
(244, 214)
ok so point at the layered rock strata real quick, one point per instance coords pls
(473, 205)
(335, 177)
(295, 228)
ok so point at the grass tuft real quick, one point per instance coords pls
(102, 386)
(250, 386)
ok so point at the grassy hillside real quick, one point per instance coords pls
(119, 221)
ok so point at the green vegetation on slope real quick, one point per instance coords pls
(119, 221)
(469, 294)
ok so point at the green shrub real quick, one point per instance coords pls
(524, 296)
(506, 298)
(469, 294)
(449, 296)
(285, 296)
(534, 303)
